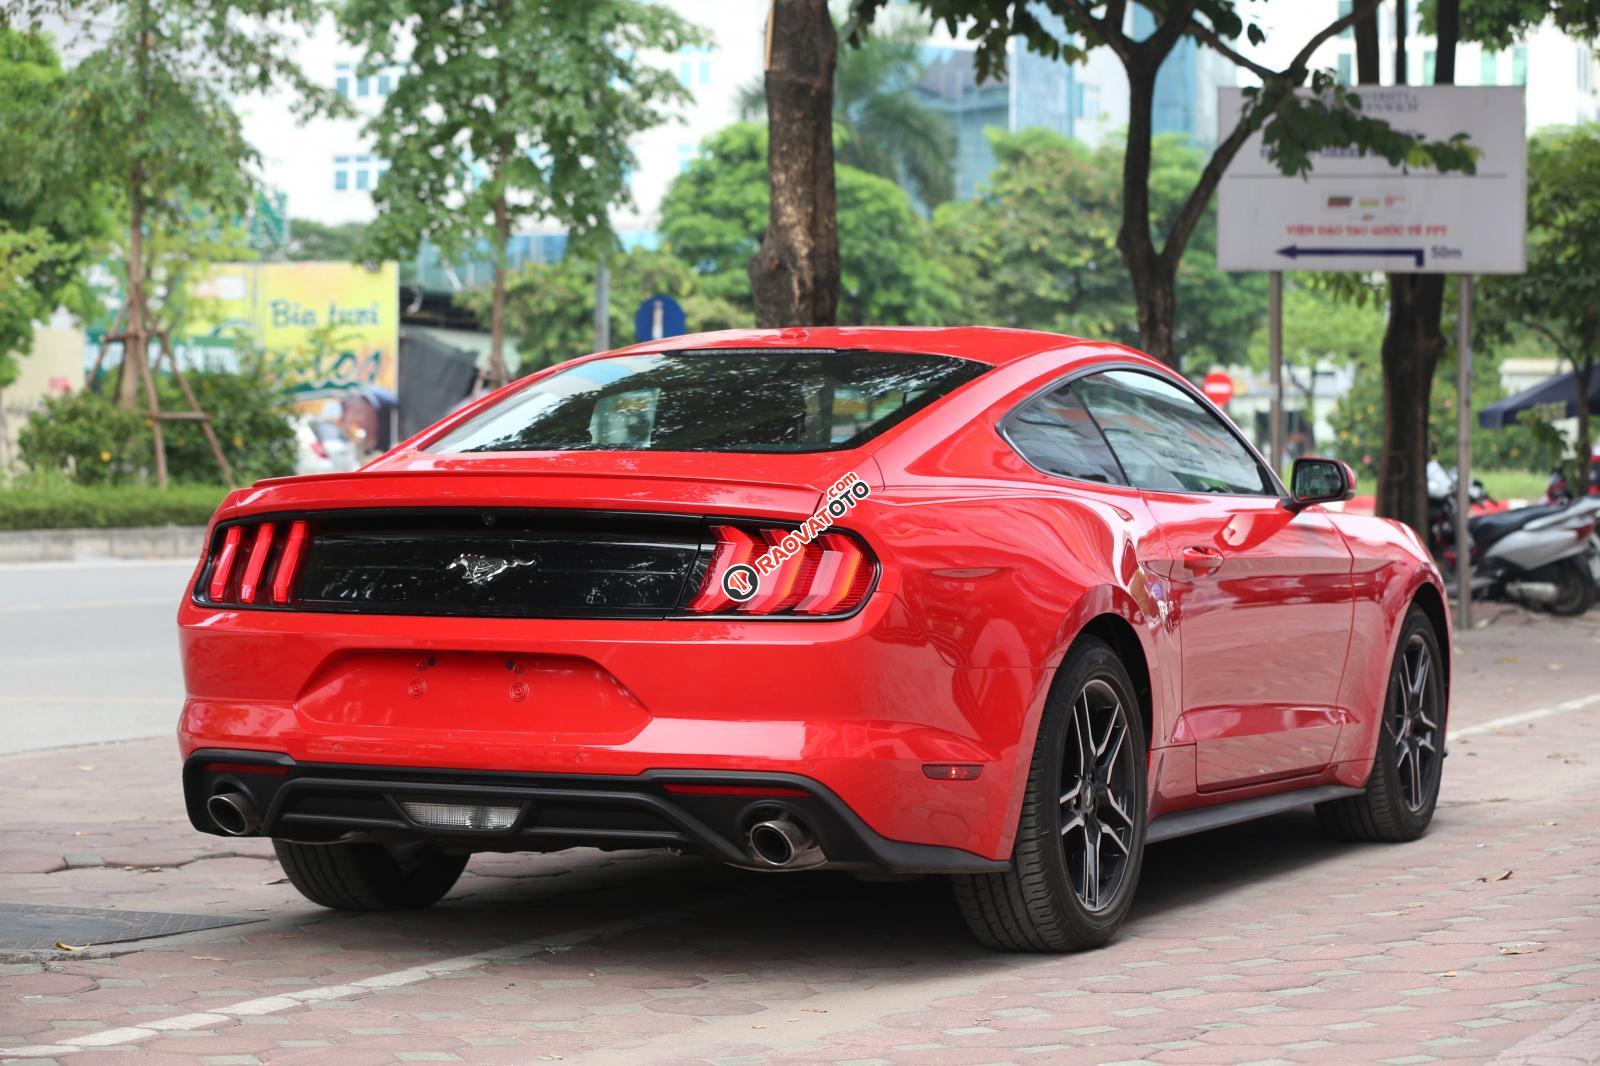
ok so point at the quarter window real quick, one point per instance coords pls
(1166, 441)
(1055, 433)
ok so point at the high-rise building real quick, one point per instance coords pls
(1087, 101)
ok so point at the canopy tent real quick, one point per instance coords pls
(1558, 394)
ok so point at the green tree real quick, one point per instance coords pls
(1037, 247)
(881, 124)
(149, 114)
(1321, 330)
(1558, 299)
(1294, 126)
(509, 111)
(549, 308)
(49, 228)
(713, 215)
(319, 242)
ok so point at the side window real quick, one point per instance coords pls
(1055, 433)
(1166, 441)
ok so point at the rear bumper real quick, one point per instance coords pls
(706, 811)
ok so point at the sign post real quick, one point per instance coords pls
(1275, 367)
(1356, 212)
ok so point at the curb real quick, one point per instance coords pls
(57, 545)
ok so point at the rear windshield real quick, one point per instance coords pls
(716, 401)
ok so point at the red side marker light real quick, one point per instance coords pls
(941, 771)
(266, 769)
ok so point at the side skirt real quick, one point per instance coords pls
(1199, 819)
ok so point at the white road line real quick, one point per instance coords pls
(289, 1000)
(1526, 716)
(108, 700)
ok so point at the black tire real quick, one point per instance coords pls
(369, 877)
(1398, 804)
(1577, 588)
(1038, 904)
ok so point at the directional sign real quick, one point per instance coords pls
(1355, 212)
(658, 316)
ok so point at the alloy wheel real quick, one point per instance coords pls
(1414, 723)
(1097, 781)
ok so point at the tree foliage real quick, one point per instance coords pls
(550, 306)
(1296, 124)
(1036, 248)
(1556, 299)
(510, 111)
(49, 227)
(311, 241)
(881, 124)
(714, 214)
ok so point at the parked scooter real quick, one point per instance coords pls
(1544, 556)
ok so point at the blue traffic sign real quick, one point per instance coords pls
(659, 316)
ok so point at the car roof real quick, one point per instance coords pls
(994, 345)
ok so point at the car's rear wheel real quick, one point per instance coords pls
(1409, 763)
(369, 877)
(1080, 841)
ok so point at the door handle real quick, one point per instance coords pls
(1201, 560)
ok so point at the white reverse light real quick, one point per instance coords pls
(460, 815)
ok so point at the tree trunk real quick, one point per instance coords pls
(1413, 339)
(1412, 345)
(1154, 282)
(133, 341)
(498, 374)
(794, 276)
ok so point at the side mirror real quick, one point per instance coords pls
(1316, 480)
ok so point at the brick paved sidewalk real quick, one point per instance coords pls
(1259, 943)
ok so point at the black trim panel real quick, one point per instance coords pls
(328, 801)
(1199, 819)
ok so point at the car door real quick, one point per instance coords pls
(1263, 598)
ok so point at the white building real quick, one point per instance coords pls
(1559, 72)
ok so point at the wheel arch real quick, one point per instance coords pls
(1428, 597)
(1118, 632)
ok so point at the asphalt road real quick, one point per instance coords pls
(88, 652)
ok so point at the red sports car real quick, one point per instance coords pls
(1002, 605)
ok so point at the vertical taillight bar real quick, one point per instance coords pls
(294, 549)
(734, 546)
(222, 569)
(259, 549)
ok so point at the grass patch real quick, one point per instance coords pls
(61, 504)
(1513, 484)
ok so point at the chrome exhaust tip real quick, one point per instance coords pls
(233, 813)
(782, 843)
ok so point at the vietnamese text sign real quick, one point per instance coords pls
(338, 324)
(1355, 212)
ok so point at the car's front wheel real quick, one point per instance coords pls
(369, 877)
(1080, 841)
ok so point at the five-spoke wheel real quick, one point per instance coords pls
(1080, 840)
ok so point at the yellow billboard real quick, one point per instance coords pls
(334, 326)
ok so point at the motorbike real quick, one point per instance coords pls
(1561, 488)
(1545, 556)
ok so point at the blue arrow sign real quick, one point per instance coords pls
(659, 316)
(1294, 251)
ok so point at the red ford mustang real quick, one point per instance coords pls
(1001, 605)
